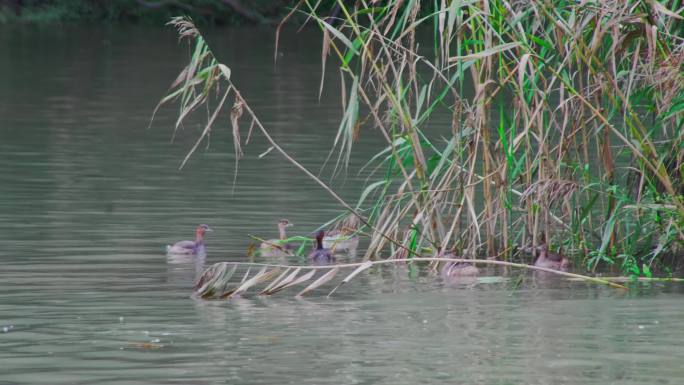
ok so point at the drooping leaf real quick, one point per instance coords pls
(353, 274)
(323, 279)
(283, 283)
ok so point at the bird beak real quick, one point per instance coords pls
(209, 229)
(289, 225)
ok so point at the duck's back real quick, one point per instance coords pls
(322, 256)
(341, 241)
(275, 248)
(460, 269)
(547, 263)
(182, 247)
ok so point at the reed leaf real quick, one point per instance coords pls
(322, 280)
(282, 283)
(486, 52)
(339, 35)
(292, 281)
(353, 274)
(263, 275)
(215, 277)
(276, 281)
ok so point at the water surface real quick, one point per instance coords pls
(89, 197)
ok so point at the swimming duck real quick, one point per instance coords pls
(551, 260)
(321, 254)
(452, 270)
(344, 238)
(276, 247)
(195, 247)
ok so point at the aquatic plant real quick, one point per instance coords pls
(565, 124)
(215, 282)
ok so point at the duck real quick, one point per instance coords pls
(551, 260)
(195, 247)
(321, 254)
(452, 270)
(343, 239)
(276, 247)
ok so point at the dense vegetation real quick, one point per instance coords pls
(565, 130)
(144, 11)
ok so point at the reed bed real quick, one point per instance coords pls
(566, 125)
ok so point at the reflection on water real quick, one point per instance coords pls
(89, 198)
(185, 269)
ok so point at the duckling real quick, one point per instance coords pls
(453, 270)
(551, 260)
(276, 247)
(321, 254)
(195, 247)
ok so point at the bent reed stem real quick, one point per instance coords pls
(435, 259)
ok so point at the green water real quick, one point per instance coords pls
(89, 198)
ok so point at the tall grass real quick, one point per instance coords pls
(565, 130)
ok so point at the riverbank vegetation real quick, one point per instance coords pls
(153, 12)
(565, 125)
